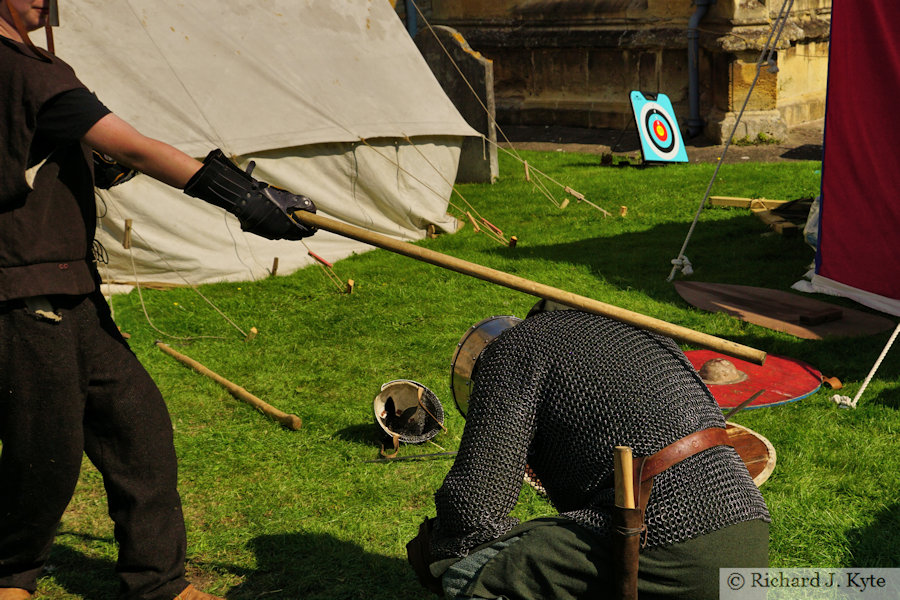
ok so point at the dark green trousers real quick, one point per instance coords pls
(557, 559)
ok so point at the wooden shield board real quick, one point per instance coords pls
(782, 311)
(757, 452)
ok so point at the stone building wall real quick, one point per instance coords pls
(573, 62)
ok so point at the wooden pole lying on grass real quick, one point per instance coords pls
(682, 334)
(286, 420)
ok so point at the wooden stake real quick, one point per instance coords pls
(745, 202)
(126, 240)
(274, 266)
(474, 224)
(492, 226)
(574, 194)
(320, 259)
(627, 526)
(527, 174)
(513, 240)
(350, 284)
(682, 334)
(564, 204)
(286, 420)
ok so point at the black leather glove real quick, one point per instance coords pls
(109, 173)
(418, 553)
(262, 209)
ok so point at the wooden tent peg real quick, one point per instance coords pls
(126, 239)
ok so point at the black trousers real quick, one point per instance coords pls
(70, 387)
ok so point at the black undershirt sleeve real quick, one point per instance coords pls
(68, 116)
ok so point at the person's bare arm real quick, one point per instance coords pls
(126, 145)
(262, 209)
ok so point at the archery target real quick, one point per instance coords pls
(657, 129)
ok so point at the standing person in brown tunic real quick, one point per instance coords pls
(69, 384)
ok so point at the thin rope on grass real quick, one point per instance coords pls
(543, 188)
(845, 401)
(147, 314)
(765, 58)
(327, 267)
(173, 269)
(431, 189)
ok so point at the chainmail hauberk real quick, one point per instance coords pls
(558, 392)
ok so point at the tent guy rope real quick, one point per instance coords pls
(536, 182)
(681, 262)
(136, 235)
(413, 176)
(844, 401)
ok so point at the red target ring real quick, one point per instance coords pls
(660, 130)
(657, 124)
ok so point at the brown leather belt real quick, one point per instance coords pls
(647, 467)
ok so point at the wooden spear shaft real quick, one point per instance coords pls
(682, 334)
(286, 420)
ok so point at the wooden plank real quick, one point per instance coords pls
(763, 203)
(781, 310)
(776, 222)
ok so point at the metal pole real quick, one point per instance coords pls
(412, 18)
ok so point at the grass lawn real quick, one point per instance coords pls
(273, 513)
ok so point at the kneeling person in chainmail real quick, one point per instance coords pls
(557, 392)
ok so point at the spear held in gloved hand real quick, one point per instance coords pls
(665, 328)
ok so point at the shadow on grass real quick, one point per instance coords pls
(888, 397)
(81, 575)
(366, 435)
(730, 250)
(289, 566)
(321, 567)
(877, 545)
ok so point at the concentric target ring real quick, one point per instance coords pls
(656, 127)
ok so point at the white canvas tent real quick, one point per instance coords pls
(330, 99)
